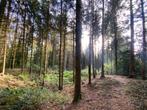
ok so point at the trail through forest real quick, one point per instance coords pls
(103, 94)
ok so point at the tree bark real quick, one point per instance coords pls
(7, 22)
(23, 41)
(144, 41)
(73, 54)
(132, 69)
(89, 65)
(60, 53)
(102, 71)
(14, 45)
(77, 90)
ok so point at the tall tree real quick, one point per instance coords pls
(24, 36)
(61, 48)
(144, 41)
(7, 22)
(77, 91)
(92, 37)
(90, 59)
(2, 10)
(14, 47)
(132, 68)
(73, 52)
(102, 71)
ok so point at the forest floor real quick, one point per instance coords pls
(103, 94)
(111, 93)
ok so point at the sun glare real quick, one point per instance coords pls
(85, 40)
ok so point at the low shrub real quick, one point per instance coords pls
(22, 98)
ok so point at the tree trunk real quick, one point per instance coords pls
(32, 39)
(14, 45)
(77, 91)
(23, 42)
(115, 44)
(92, 37)
(144, 42)
(132, 69)
(7, 22)
(60, 53)
(53, 51)
(90, 48)
(102, 72)
(2, 10)
(41, 51)
(73, 54)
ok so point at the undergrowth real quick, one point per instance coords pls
(28, 98)
(137, 90)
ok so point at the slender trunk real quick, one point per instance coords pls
(89, 65)
(60, 53)
(23, 42)
(5, 35)
(115, 45)
(32, 31)
(132, 69)
(144, 42)
(46, 55)
(93, 68)
(2, 10)
(92, 37)
(73, 54)
(45, 59)
(41, 51)
(102, 72)
(14, 45)
(111, 61)
(64, 52)
(77, 91)
(53, 51)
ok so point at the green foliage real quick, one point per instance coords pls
(84, 74)
(123, 62)
(29, 98)
(22, 98)
(68, 77)
(58, 98)
(24, 76)
(137, 90)
(52, 79)
(108, 68)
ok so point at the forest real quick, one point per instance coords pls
(73, 55)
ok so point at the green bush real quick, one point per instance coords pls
(29, 98)
(24, 76)
(22, 98)
(52, 79)
(68, 77)
(108, 68)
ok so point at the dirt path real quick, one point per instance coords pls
(106, 94)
